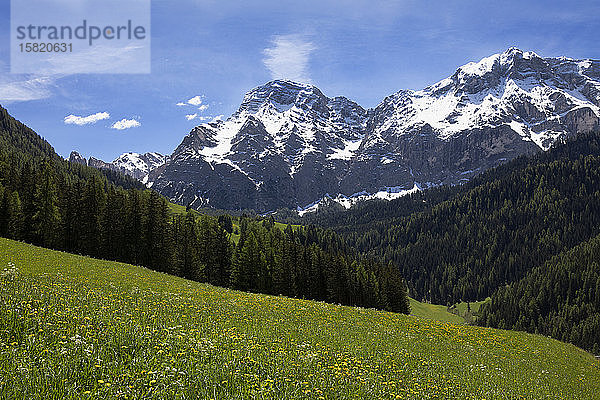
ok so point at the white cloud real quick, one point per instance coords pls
(289, 57)
(33, 88)
(190, 117)
(180, 104)
(90, 119)
(203, 107)
(195, 101)
(217, 118)
(125, 124)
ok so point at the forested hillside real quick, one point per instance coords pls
(490, 234)
(560, 298)
(50, 202)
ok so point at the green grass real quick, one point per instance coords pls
(177, 209)
(433, 311)
(462, 310)
(282, 226)
(73, 327)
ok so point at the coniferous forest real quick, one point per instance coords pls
(559, 299)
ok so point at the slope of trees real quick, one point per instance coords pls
(307, 263)
(560, 298)
(22, 143)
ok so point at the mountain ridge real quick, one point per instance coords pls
(136, 165)
(288, 145)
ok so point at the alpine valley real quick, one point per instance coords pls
(289, 145)
(492, 179)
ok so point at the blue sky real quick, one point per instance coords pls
(213, 52)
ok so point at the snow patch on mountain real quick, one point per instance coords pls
(223, 137)
(347, 152)
(390, 193)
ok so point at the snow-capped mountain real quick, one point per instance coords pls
(135, 165)
(289, 145)
(287, 141)
(138, 165)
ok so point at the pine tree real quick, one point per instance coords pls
(15, 213)
(163, 259)
(187, 248)
(4, 216)
(46, 219)
(92, 209)
(134, 227)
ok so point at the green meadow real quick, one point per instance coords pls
(72, 327)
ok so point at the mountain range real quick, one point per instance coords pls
(135, 165)
(289, 146)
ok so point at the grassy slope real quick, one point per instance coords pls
(462, 308)
(433, 311)
(177, 209)
(74, 327)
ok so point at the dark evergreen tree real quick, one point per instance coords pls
(46, 218)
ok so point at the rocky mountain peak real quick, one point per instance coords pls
(136, 165)
(139, 165)
(77, 158)
(299, 103)
(280, 95)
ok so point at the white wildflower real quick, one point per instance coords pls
(10, 272)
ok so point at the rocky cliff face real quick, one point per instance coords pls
(288, 144)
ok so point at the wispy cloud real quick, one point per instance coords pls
(25, 89)
(288, 57)
(126, 124)
(203, 107)
(190, 117)
(90, 119)
(180, 104)
(195, 101)
(99, 59)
